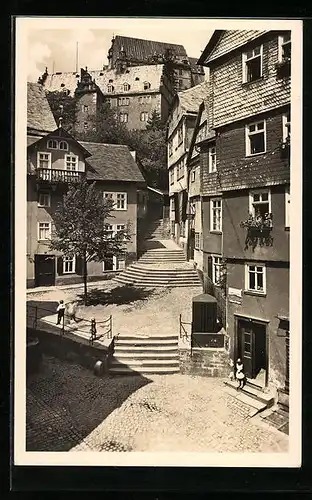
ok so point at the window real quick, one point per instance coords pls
(110, 81)
(109, 230)
(197, 240)
(44, 200)
(172, 176)
(121, 227)
(146, 85)
(216, 269)
(260, 203)
(44, 160)
(85, 108)
(63, 145)
(193, 175)
(216, 215)
(255, 137)
(255, 278)
(170, 147)
(123, 101)
(109, 196)
(212, 159)
(287, 207)
(123, 117)
(110, 88)
(94, 97)
(286, 126)
(52, 144)
(121, 201)
(137, 78)
(180, 170)
(252, 64)
(172, 204)
(71, 162)
(85, 126)
(180, 135)
(44, 231)
(284, 47)
(69, 264)
(126, 87)
(144, 116)
(180, 72)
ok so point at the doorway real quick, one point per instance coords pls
(44, 270)
(191, 244)
(252, 349)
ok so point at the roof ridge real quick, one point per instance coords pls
(104, 143)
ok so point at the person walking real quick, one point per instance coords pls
(71, 311)
(60, 311)
(240, 375)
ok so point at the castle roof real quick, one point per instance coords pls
(135, 76)
(40, 118)
(137, 49)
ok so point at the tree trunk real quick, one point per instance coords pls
(85, 277)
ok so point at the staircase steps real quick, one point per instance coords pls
(145, 355)
(252, 395)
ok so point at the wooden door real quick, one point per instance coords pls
(246, 347)
(45, 270)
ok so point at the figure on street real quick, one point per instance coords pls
(240, 375)
(60, 311)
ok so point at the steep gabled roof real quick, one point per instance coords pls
(112, 162)
(224, 41)
(57, 134)
(39, 115)
(137, 49)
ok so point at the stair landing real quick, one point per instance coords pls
(253, 396)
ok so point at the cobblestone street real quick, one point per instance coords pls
(68, 408)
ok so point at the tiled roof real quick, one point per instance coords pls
(135, 76)
(266, 171)
(39, 114)
(112, 162)
(191, 99)
(225, 41)
(137, 49)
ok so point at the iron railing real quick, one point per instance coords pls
(34, 314)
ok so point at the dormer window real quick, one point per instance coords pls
(110, 88)
(126, 87)
(252, 64)
(110, 81)
(63, 145)
(146, 85)
(137, 78)
(52, 144)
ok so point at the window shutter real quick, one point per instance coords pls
(79, 265)
(176, 206)
(60, 266)
(210, 267)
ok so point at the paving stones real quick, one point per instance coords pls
(68, 408)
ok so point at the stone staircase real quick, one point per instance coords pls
(140, 354)
(252, 395)
(155, 230)
(162, 267)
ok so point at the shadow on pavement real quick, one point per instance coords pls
(66, 402)
(120, 295)
(153, 244)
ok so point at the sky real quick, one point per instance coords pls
(56, 48)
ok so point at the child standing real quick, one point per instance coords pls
(60, 311)
(240, 375)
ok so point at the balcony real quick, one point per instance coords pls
(58, 176)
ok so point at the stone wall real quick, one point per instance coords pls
(206, 362)
(71, 349)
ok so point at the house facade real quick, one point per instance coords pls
(54, 160)
(250, 114)
(181, 124)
